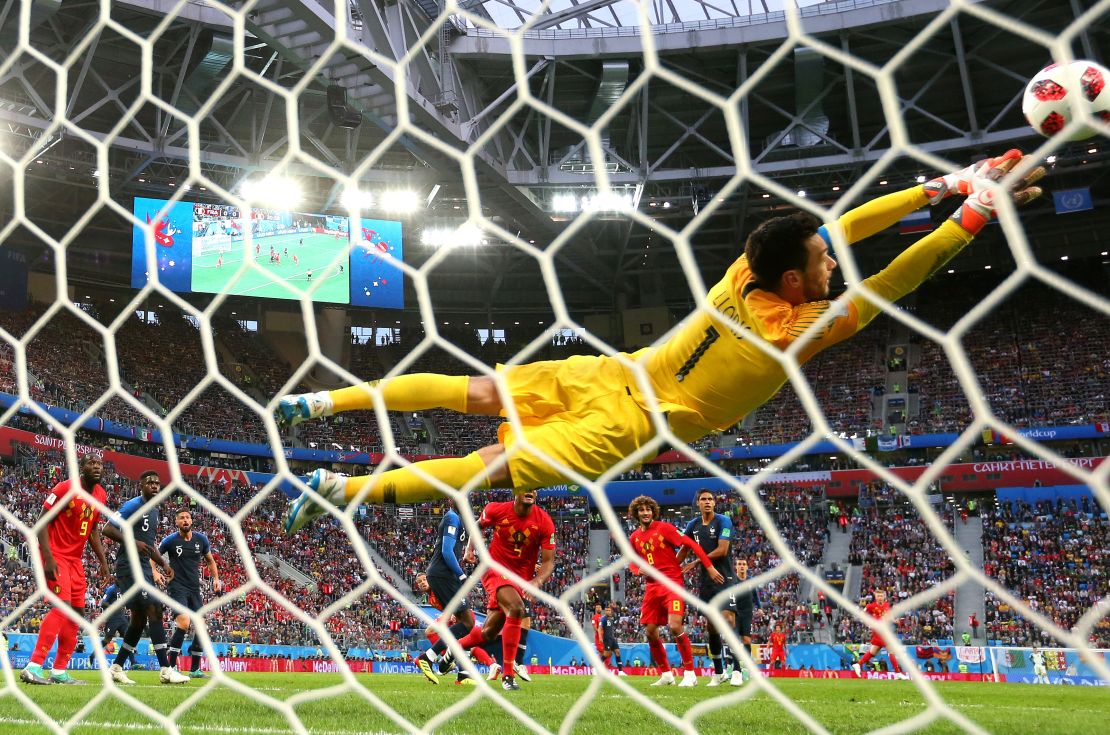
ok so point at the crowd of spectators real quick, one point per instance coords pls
(899, 554)
(1053, 555)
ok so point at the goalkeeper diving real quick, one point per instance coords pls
(587, 413)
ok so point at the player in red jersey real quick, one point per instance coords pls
(778, 648)
(62, 542)
(598, 643)
(655, 541)
(523, 534)
(879, 608)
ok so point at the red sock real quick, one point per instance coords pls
(510, 639)
(482, 655)
(48, 633)
(865, 658)
(472, 639)
(433, 637)
(659, 654)
(686, 651)
(67, 641)
(894, 665)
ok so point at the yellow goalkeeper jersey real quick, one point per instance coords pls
(708, 376)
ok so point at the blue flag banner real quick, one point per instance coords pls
(1072, 200)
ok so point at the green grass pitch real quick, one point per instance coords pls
(841, 706)
(317, 255)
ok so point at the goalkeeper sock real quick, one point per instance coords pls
(415, 392)
(404, 485)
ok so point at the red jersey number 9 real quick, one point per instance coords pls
(84, 528)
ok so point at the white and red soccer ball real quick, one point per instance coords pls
(1060, 92)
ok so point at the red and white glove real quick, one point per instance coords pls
(978, 209)
(962, 182)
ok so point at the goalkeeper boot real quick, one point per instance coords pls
(717, 680)
(305, 509)
(737, 679)
(292, 410)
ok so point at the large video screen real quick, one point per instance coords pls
(201, 247)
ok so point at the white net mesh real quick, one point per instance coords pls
(388, 57)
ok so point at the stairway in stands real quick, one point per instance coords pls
(970, 596)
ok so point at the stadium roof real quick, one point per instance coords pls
(568, 14)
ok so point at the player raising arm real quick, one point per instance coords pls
(588, 412)
(61, 547)
(655, 541)
(523, 535)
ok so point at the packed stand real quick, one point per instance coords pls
(899, 554)
(1052, 555)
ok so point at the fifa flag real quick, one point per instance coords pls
(919, 221)
(1073, 200)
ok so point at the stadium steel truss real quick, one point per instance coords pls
(809, 122)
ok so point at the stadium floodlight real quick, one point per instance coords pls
(356, 199)
(564, 203)
(401, 201)
(611, 201)
(272, 191)
(461, 236)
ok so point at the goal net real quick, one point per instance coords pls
(538, 180)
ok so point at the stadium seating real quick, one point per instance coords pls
(1051, 555)
(899, 554)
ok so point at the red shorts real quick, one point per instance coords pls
(659, 604)
(778, 654)
(70, 583)
(493, 581)
(877, 640)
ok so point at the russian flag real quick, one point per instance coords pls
(919, 221)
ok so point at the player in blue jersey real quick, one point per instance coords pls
(186, 549)
(713, 532)
(609, 643)
(444, 578)
(146, 611)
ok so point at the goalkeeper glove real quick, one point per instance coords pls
(978, 209)
(962, 182)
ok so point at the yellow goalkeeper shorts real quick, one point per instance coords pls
(579, 412)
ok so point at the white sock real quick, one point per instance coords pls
(431, 655)
(58, 672)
